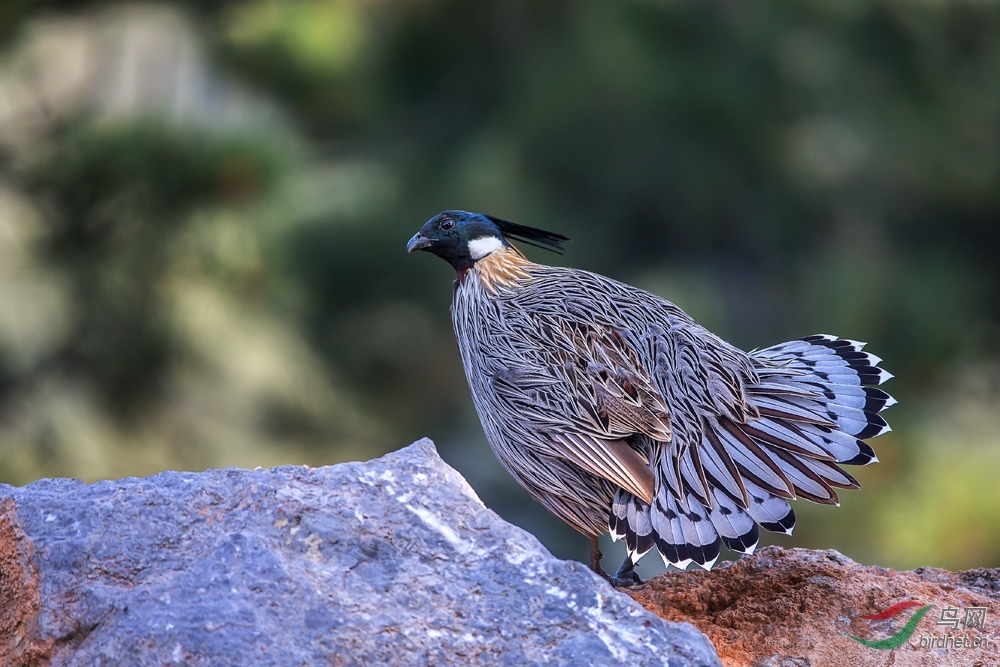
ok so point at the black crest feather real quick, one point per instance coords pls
(531, 235)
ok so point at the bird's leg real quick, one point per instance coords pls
(626, 575)
(595, 557)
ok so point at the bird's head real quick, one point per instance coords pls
(462, 238)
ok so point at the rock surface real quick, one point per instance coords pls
(795, 607)
(394, 562)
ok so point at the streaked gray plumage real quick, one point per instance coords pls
(619, 412)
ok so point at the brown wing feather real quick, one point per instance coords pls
(591, 393)
(603, 365)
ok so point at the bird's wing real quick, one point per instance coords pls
(623, 362)
(585, 388)
(613, 460)
(606, 372)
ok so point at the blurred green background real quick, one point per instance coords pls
(204, 207)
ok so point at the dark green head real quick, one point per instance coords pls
(462, 238)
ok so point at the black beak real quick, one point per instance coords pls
(418, 242)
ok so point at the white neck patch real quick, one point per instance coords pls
(484, 245)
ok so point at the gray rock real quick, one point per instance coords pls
(394, 561)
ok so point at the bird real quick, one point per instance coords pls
(620, 414)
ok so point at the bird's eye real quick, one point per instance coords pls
(447, 224)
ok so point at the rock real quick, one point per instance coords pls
(394, 561)
(796, 607)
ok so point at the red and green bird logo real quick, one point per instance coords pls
(898, 639)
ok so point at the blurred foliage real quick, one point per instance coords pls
(184, 287)
(114, 199)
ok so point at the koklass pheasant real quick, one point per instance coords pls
(618, 412)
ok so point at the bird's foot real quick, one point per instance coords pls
(626, 576)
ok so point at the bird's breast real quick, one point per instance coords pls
(503, 268)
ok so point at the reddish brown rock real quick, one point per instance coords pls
(796, 607)
(19, 596)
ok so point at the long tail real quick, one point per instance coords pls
(817, 404)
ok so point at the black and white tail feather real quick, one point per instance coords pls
(817, 402)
